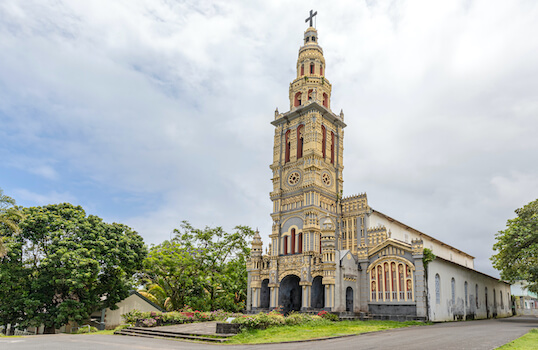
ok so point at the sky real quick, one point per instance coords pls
(149, 112)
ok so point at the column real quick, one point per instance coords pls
(420, 286)
(306, 290)
(364, 286)
(274, 295)
(255, 298)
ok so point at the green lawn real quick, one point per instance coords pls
(528, 341)
(312, 331)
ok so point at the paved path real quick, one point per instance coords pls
(483, 334)
(200, 328)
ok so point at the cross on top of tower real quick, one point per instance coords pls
(311, 17)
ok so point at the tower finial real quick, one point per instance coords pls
(311, 17)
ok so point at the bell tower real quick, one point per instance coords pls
(307, 158)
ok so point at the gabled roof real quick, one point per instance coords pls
(470, 269)
(147, 300)
(422, 234)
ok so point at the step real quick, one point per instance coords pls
(157, 334)
(157, 329)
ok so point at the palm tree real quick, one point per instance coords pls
(158, 295)
(10, 215)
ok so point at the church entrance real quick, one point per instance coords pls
(318, 294)
(264, 294)
(290, 296)
(349, 299)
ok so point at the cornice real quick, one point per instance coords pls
(302, 110)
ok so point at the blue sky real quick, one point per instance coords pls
(152, 112)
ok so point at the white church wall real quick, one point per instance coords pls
(448, 299)
(406, 234)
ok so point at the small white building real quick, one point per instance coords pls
(526, 302)
(112, 318)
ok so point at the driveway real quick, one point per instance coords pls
(482, 334)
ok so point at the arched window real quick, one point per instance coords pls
(494, 299)
(325, 100)
(302, 69)
(332, 147)
(380, 282)
(502, 301)
(437, 289)
(310, 94)
(285, 245)
(300, 141)
(394, 286)
(288, 146)
(387, 281)
(311, 68)
(297, 100)
(453, 285)
(323, 140)
(465, 291)
(401, 282)
(300, 239)
(476, 295)
(321, 70)
(293, 241)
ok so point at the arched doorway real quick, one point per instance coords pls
(349, 299)
(290, 295)
(317, 300)
(264, 294)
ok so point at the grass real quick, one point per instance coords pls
(528, 341)
(313, 331)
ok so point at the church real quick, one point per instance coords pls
(337, 253)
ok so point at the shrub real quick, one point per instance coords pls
(328, 316)
(134, 315)
(82, 330)
(297, 318)
(149, 322)
(173, 317)
(260, 321)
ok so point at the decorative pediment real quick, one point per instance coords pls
(346, 255)
(391, 247)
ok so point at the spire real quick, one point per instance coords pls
(257, 245)
(310, 85)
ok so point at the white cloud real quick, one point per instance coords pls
(51, 197)
(153, 112)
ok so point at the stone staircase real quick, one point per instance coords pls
(352, 316)
(400, 318)
(159, 332)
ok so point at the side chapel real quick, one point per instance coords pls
(335, 253)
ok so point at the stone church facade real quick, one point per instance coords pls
(335, 253)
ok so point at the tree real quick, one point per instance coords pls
(204, 268)
(67, 265)
(517, 247)
(10, 215)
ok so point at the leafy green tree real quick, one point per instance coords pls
(172, 274)
(68, 265)
(10, 215)
(517, 247)
(203, 268)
